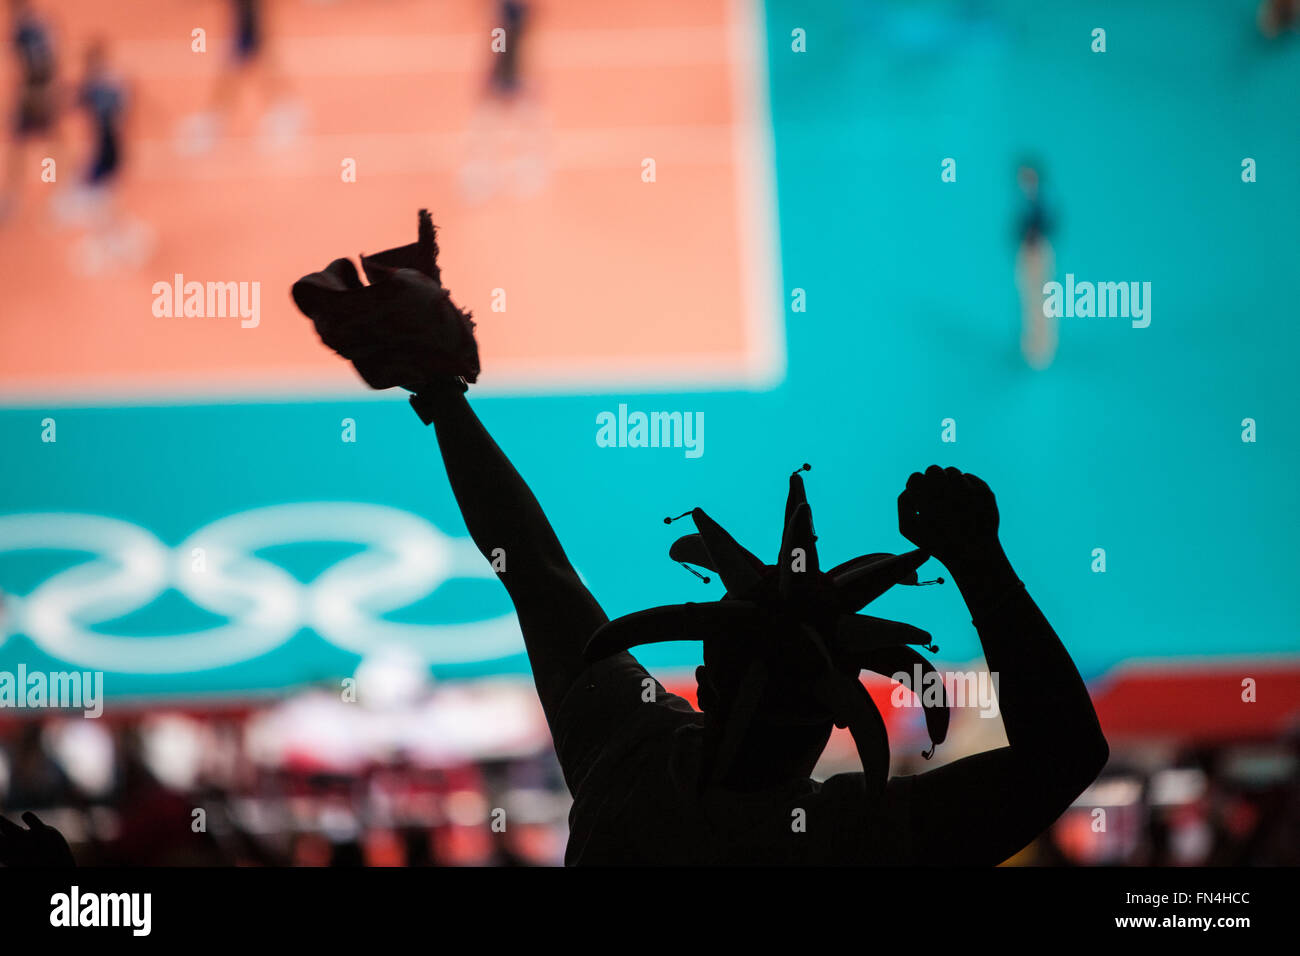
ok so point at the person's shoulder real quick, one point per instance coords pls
(620, 684)
(612, 709)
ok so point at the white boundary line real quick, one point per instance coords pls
(758, 232)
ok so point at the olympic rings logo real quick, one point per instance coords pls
(406, 558)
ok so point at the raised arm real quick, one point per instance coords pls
(403, 329)
(557, 613)
(984, 808)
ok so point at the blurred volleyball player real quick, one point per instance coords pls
(112, 239)
(251, 62)
(504, 78)
(36, 117)
(103, 96)
(506, 133)
(1278, 16)
(1034, 267)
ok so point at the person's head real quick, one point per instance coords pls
(788, 729)
(1028, 177)
(783, 649)
(95, 59)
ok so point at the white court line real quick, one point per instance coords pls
(757, 229)
(432, 151)
(506, 377)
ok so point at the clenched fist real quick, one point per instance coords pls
(948, 514)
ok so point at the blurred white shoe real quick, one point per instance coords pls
(530, 175)
(282, 123)
(477, 181)
(198, 133)
(131, 244)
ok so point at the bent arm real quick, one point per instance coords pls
(984, 808)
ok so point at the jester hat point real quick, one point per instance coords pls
(794, 620)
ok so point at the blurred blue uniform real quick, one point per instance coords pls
(35, 50)
(505, 65)
(105, 101)
(248, 29)
(1035, 223)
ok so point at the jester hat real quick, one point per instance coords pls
(796, 622)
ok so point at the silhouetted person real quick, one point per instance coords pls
(1035, 265)
(103, 97)
(252, 61)
(646, 770)
(113, 238)
(504, 78)
(36, 113)
(36, 845)
(1277, 16)
(507, 139)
